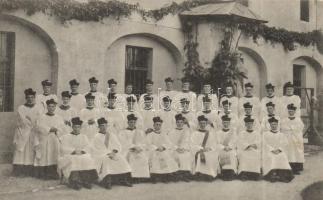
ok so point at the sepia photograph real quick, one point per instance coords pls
(161, 99)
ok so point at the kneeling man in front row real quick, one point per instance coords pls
(111, 165)
(75, 161)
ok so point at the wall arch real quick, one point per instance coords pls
(45, 37)
(257, 69)
(167, 58)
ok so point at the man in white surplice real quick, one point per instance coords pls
(111, 164)
(49, 128)
(66, 111)
(24, 153)
(228, 149)
(180, 138)
(249, 151)
(249, 98)
(204, 144)
(275, 164)
(133, 142)
(77, 99)
(162, 163)
(75, 161)
(289, 98)
(46, 95)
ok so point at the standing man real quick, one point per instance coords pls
(89, 115)
(207, 111)
(226, 110)
(129, 93)
(207, 93)
(271, 97)
(77, 99)
(131, 103)
(167, 114)
(49, 127)
(119, 103)
(188, 94)
(42, 98)
(265, 125)
(293, 127)
(66, 111)
(169, 91)
(290, 98)
(113, 114)
(149, 91)
(100, 98)
(190, 119)
(233, 100)
(249, 98)
(148, 112)
(23, 141)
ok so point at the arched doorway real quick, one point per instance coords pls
(256, 68)
(136, 57)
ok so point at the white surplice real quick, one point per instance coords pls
(24, 134)
(275, 100)
(285, 101)
(254, 101)
(214, 102)
(138, 161)
(41, 100)
(87, 114)
(228, 159)
(78, 102)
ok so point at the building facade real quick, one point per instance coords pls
(38, 47)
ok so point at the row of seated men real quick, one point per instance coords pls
(201, 146)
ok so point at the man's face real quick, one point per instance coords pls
(207, 89)
(249, 91)
(148, 104)
(103, 127)
(46, 89)
(93, 86)
(111, 102)
(179, 123)
(274, 126)
(149, 88)
(113, 88)
(76, 128)
(30, 99)
(229, 90)
(270, 110)
(90, 102)
(169, 85)
(289, 91)
(132, 123)
(291, 113)
(129, 89)
(248, 111)
(157, 126)
(185, 105)
(166, 104)
(65, 100)
(186, 86)
(51, 108)
(226, 124)
(74, 88)
(226, 108)
(202, 124)
(270, 92)
(249, 125)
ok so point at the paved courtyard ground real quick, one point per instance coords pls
(32, 189)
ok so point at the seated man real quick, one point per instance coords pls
(162, 164)
(275, 162)
(227, 155)
(111, 165)
(180, 138)
(249, 153)
(204, 144)
(75, 161)
(133, 142)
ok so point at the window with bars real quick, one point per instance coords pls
(299, 81)
(305, 10)
(7, 58)
(138, 67)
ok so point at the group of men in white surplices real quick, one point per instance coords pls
(170, 136)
